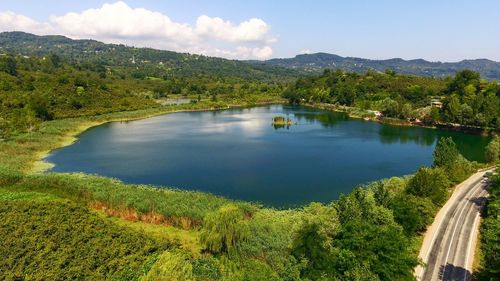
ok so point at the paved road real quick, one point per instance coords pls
(449, 244)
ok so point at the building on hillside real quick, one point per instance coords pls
(436, 104)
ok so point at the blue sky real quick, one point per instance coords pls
(435, 30)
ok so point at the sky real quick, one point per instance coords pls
(438, 30)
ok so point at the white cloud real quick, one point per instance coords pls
(119, 23)
(251, 30)
(10, 21)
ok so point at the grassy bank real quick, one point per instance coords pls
(23, 154)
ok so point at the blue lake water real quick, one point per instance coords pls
(239, 154)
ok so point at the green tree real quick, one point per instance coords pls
(453, 109)
(383, 249)
(361, 203)
(492, 151)
(463, 79)
(430, 183)
(314, 240)
(224, 230)
(8, 64)
(412, 213)
(445, 153)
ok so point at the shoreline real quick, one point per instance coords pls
(40, 166)
(404, 123)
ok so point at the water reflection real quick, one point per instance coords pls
(399, 134)
(237, 153)
(326, 119)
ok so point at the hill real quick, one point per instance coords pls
(317, 62)
(147, 59)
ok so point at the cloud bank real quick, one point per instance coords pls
(119, 23)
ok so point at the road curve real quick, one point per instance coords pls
(449, 243)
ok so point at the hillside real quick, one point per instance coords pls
(319, 61)
(151, 60)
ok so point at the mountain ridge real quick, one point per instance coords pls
(316, 62)
(81, 50)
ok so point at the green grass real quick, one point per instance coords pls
(187, 240)
(177, 207)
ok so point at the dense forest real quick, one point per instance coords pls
(36, 89)
(141, 61)
(316, 63)
(463, 99)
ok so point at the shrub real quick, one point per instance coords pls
(171, 266)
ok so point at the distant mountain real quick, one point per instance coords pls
(183, 64)
(317, 62)
(118, 55)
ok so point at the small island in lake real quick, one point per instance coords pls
(281, 122)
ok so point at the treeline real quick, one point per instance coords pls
(37, 89)
(490, 234)
(464, 99)
(154, 62)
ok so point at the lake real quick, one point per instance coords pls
(239, 154)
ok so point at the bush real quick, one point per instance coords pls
(171, 266)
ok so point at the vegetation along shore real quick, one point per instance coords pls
(60, 226)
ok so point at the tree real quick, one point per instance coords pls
(314, 240)
(461, 80)
(434, 115)
(9, 65)
(224, 230)
(492, 151)
(55, 60)
(362, 204)
(430, 183)
(445, 153)
(382, 249)
(390, 107)
(453, 109)
(412, 213)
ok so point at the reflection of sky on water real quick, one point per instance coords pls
(238, 153)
